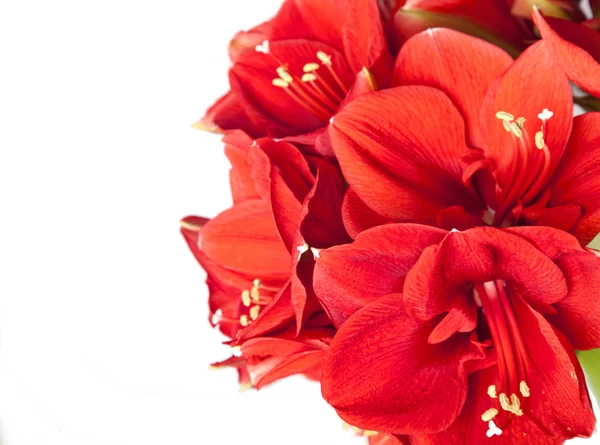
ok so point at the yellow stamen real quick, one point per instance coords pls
(506, 125)
(246, 298)
(256, 283)
(280, 83)
(310, 67)
(492, 391)
(512, 406)
(244, 320)
(524, 389)
(368, 433)
(515, 129)
(504, 116)
(520, 122)
(489, 414)
(283, 73)
(504, 402)
(308, 77)
(255, 294)
(254, 311)
(324, 58)
(539, 140)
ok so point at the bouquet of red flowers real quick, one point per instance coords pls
(413, 198)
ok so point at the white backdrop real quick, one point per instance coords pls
(102, 308)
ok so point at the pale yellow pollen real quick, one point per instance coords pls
(255, 294)
(308, 77)
(524, 389)
(246, 298)
(324, 58)
(539, 140)
(492, 391)
(256, 283)
(512, 406)
(280, 83)
(506, 125)
(310, 67)
(489, 414)
(504, 116)
(244, 320)
(254, 311)
(520, 122)
(283, 73)
(516, 130)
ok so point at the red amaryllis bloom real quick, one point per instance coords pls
(576, 49)
(481, 140)
(462, 335)
(505, 23)
(257, 254)
(290, 74)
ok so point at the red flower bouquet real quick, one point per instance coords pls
(414, 185)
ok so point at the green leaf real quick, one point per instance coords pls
(590, 361)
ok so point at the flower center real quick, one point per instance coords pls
(253, 300)
(511, 353)
(319, 89)
(529, 170)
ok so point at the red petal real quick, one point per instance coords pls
(348, 277)
(359, 217)
(244, 239)
(576, 48)
(387, 439)
(533, 83)
(440, 58)
(322, 224)
(237, 146)
(578, 315)
(381, 373)
(441, 279)
(400, 151)
(577, 180)
(557, 403)
(226, 114)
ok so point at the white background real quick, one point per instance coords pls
(102, 308)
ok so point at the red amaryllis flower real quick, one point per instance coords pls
(258, 255)
(290, 74)
(505, 23)
(462, 335)
(481, 140)
(575, 47)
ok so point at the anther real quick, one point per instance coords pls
(280, 83)
(524, 389)
(254, 311)
(516, 130)
(506, 125)
(308, 77)
(244, 320)
(283, 73)
(256, 283)
(310, 67)
(255, 294)
(520, 122)
(246, 298)
(489, 414)
(492, 391)
(324, 58)
(504, 116)
(539, 140)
